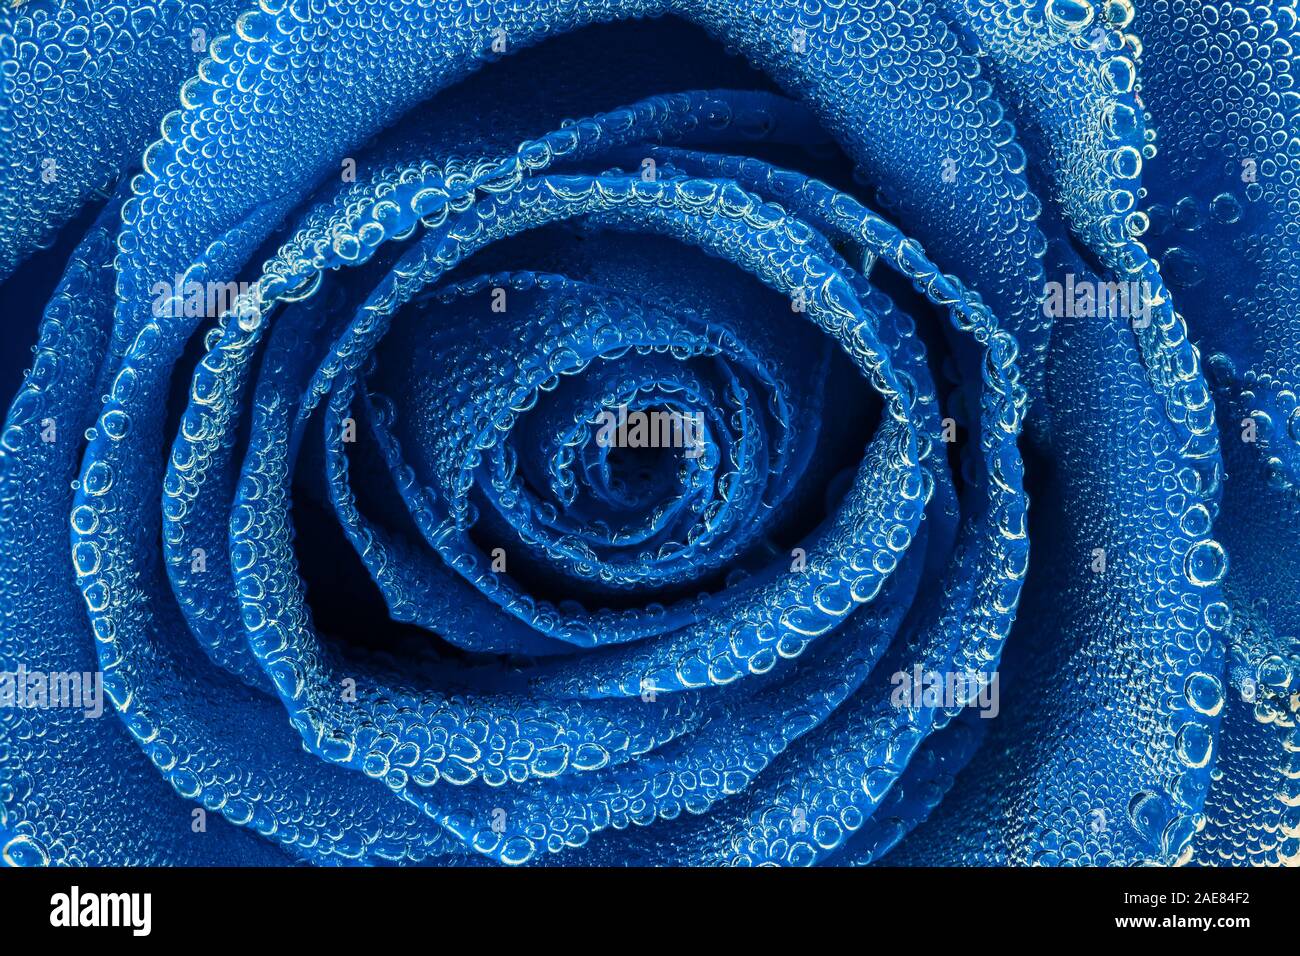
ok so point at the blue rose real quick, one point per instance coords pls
(606, 432)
